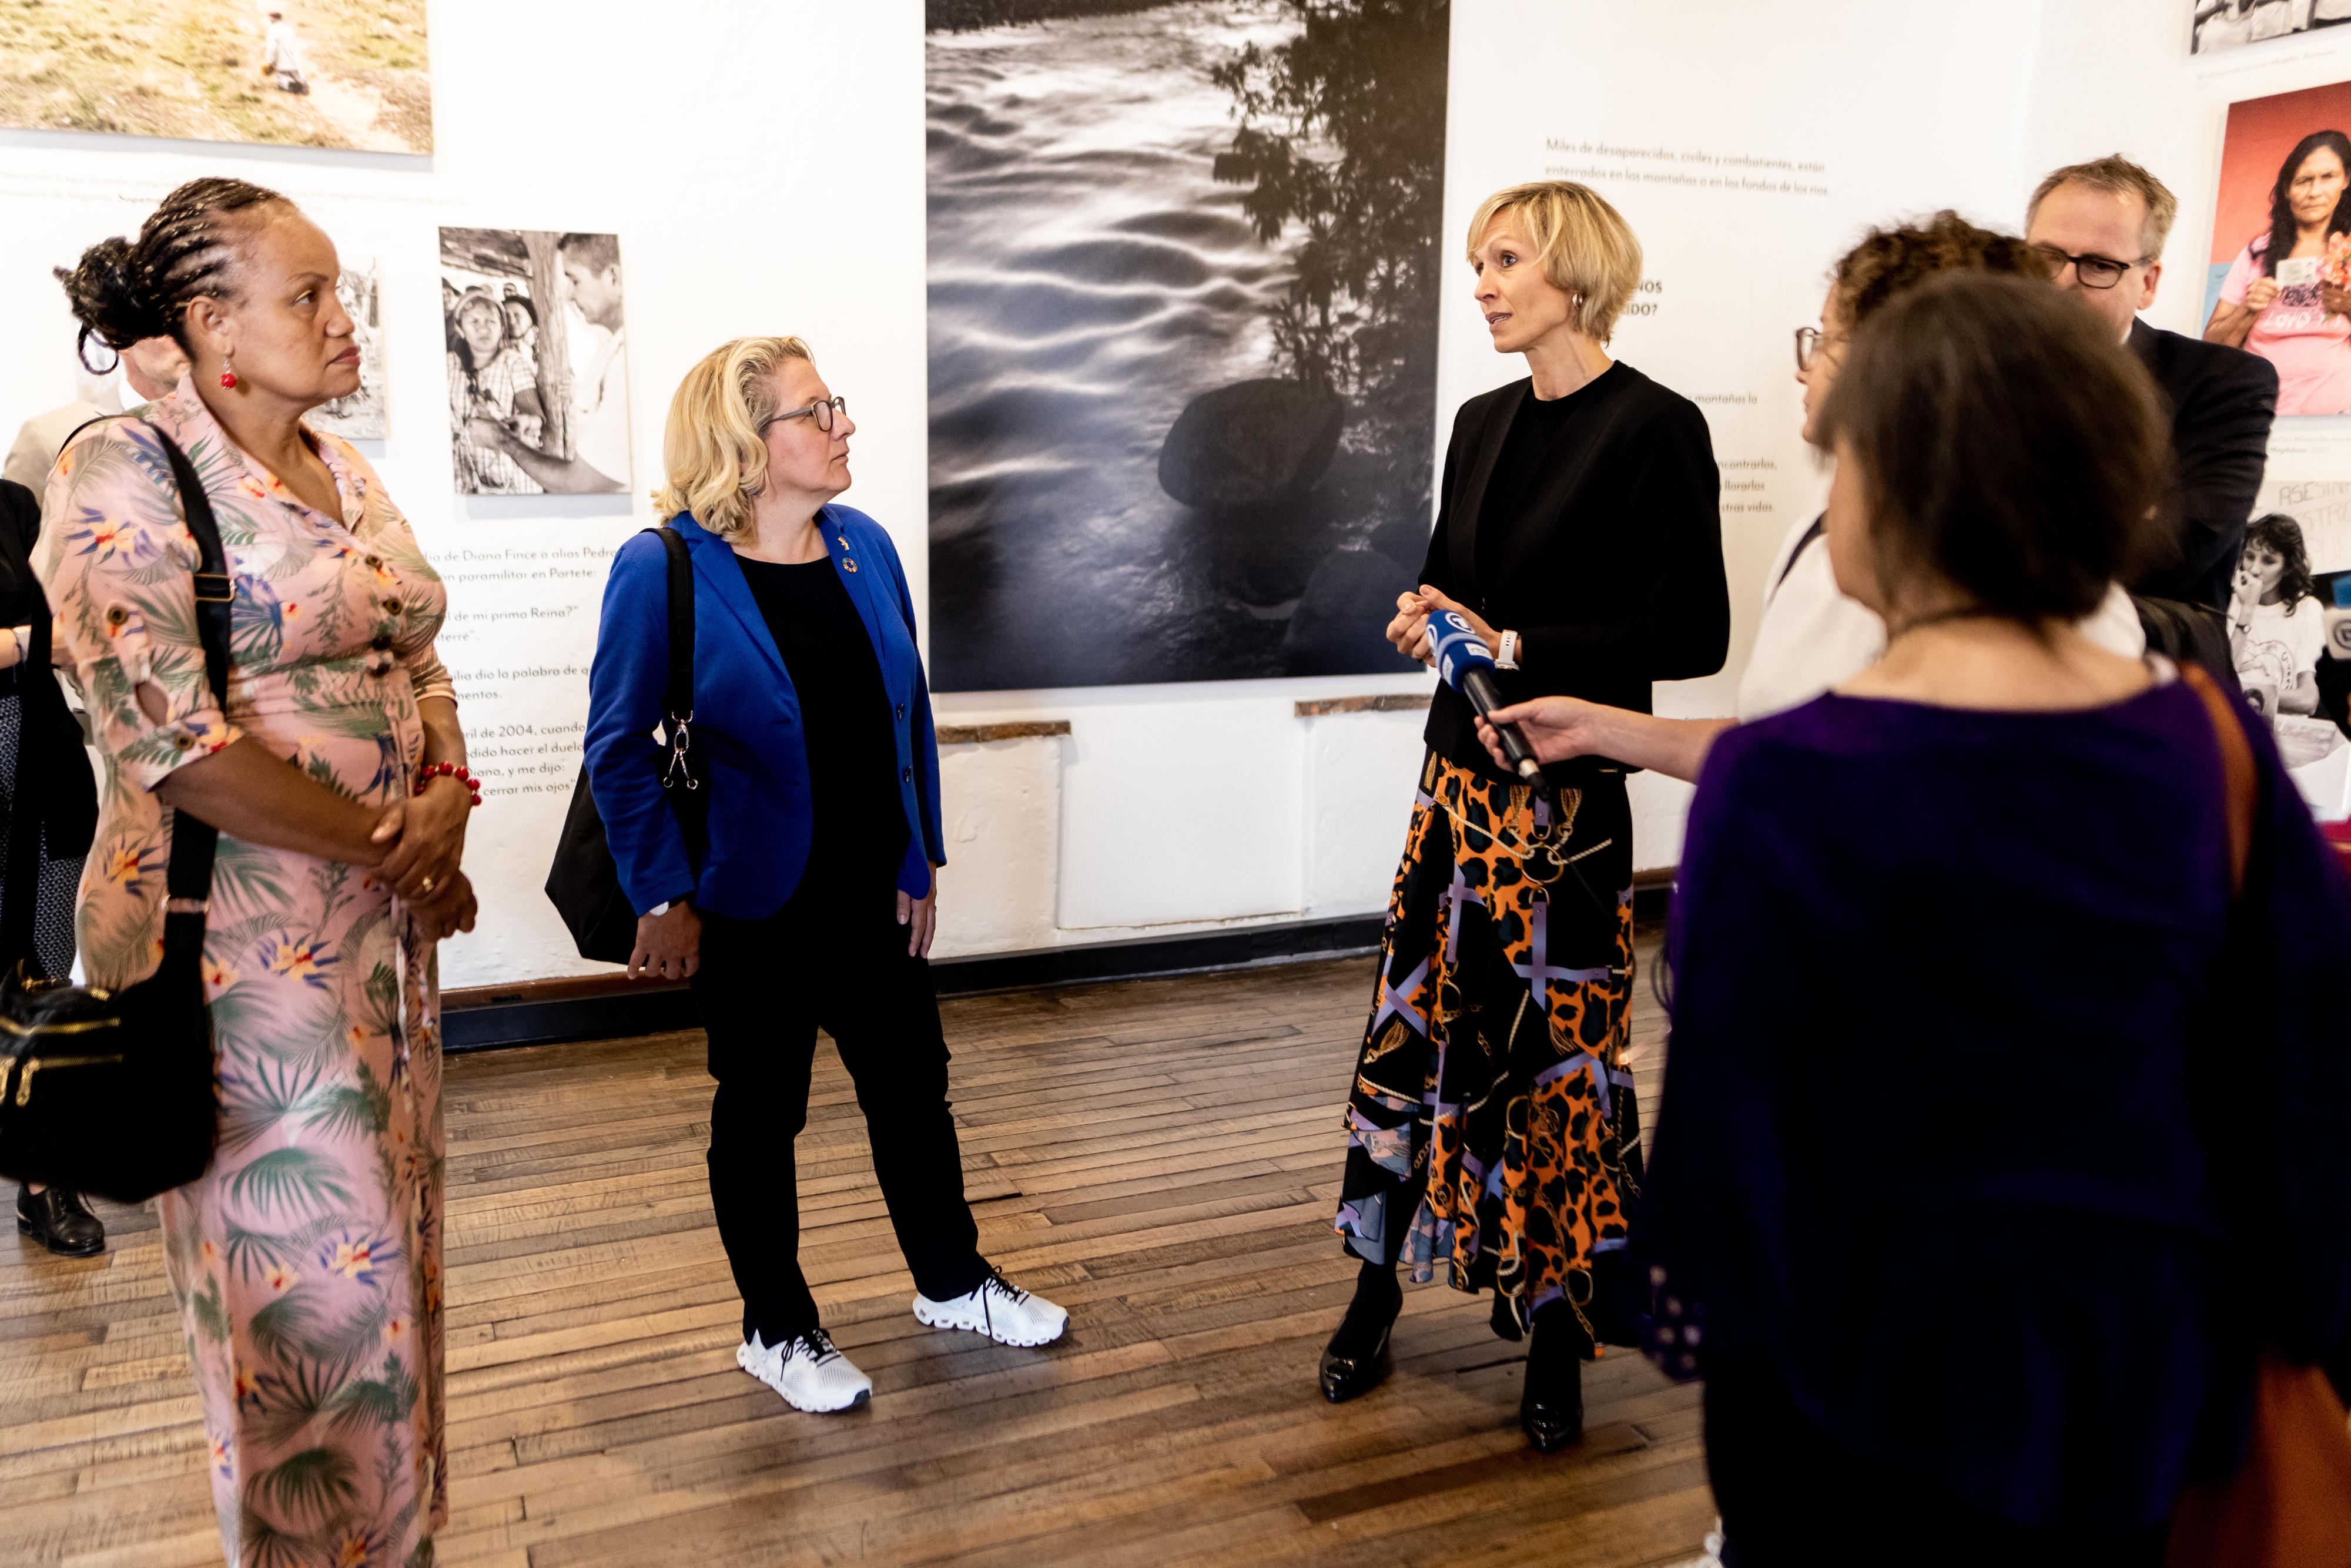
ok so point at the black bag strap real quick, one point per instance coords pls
(189, 874)
(677, 696)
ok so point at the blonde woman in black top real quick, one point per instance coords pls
(1491, 1127)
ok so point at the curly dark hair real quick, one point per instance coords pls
(1889, 261)
(2283, 229)
(124, 291)
(2008, 447)
(2276, 531)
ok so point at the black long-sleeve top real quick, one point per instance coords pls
(845, 719)
(1602, 551)
(2222, 402)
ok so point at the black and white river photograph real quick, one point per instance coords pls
(1184, 266)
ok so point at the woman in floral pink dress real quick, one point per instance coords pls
(307, 1259)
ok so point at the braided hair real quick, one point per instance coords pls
(124, 291)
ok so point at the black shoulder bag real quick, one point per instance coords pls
(112, 1091)
(584, 884)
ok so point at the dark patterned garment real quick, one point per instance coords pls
(1492, 1116)
(60, 876)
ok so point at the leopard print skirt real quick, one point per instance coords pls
(1492, 1123)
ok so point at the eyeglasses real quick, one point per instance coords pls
(821, 411)
(1809, 340)
(2094, 271)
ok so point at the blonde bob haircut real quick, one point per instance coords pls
(713, 451)
(1585, 246)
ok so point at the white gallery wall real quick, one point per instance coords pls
(763, 166)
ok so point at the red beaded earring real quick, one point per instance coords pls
(228, 375)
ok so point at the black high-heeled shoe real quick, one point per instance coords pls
(1345, 1377)
(1551, 1410)
(1552, 1423)
(1349, 1367)
(59, 1221)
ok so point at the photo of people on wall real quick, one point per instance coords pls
(2280, 281)
(535, 411)
(362, 415)
(303, 73)
(2277, 633)
(2229, 23)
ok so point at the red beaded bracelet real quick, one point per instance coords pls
(433, 771)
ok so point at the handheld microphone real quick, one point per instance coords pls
(1468, 667)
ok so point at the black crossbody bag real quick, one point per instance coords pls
(112, 1091)
(584, 884)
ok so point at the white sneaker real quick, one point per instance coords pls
(998, 1308)
(807, 1370)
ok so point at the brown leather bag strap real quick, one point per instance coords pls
(2239, 777)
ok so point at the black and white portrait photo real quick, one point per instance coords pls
(1183, 265)
(362, 416)
(2229, 24)
(539, 378)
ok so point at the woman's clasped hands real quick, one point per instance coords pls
(1409, 630)
(425, 839)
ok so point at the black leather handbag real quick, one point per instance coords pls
(584, 884)
(112, 1091)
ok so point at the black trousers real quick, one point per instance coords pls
(835, 957)
(1791, 1498)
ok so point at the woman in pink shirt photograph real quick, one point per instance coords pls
(2273, 301)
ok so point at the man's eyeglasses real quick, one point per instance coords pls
(1809, 342)
(821, 411)
(2094, 271)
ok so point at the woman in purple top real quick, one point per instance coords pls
(1994, 1145)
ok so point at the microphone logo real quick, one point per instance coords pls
(1457, 647)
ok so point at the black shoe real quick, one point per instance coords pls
(62, 1222)
(1357, 1359)
(1345, 1377)
(1551, 1421)
(1551, 1410)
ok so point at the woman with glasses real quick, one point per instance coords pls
(2274, 303)
(808, 903)
(1812, 635)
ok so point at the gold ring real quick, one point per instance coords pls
(425, 886)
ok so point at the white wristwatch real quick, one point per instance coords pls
(1506, 657)
(658, 910)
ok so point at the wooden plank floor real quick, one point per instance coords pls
(1159, 1157)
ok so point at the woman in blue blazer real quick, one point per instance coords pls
(812, 905)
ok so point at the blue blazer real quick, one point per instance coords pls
(746, 722)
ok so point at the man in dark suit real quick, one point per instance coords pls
(2102, 224)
